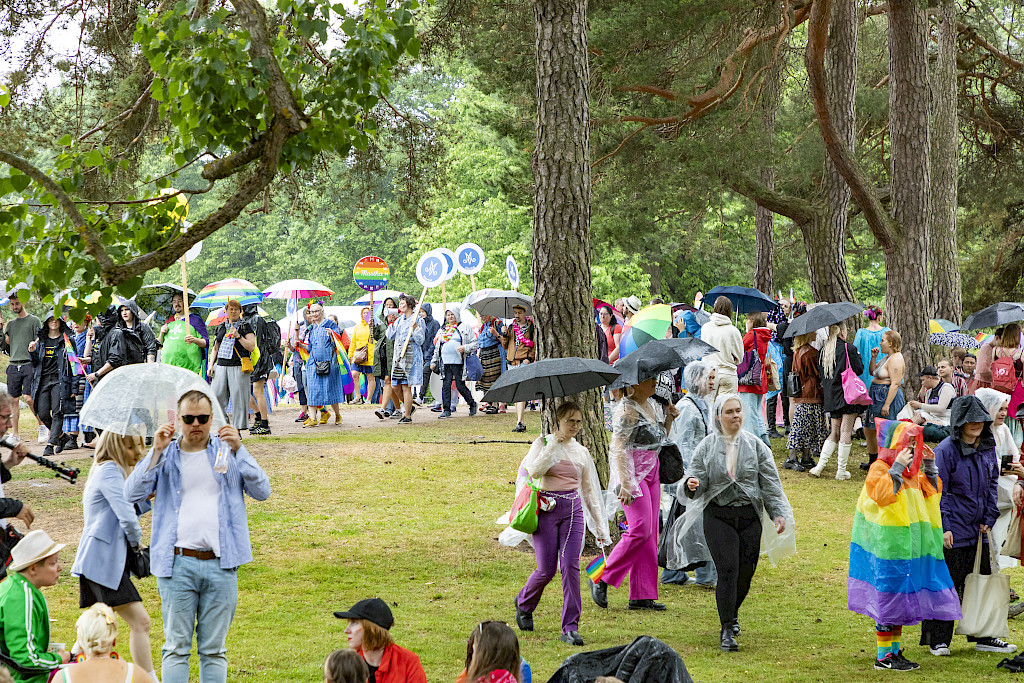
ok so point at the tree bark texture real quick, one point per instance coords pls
(906, 256)
(946, 292)
(826, 260)
(561, 206)
(764, 219)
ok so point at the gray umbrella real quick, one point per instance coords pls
(656, 357)
(995, 315)
(550, 378)
(498, 303)
(821, 316)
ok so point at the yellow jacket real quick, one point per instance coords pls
(361, 337)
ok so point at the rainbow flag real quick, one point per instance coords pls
(898, 572)
(76, 363)
(595, 570)
(983, 337)
(346, 367)
(303, 349)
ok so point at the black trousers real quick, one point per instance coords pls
(454, 372)
(960, 562)
(48, 407)
(733, 536)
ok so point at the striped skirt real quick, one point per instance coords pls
(490, 358)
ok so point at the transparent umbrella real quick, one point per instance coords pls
(137, 399)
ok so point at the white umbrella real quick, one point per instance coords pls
(137, 399)
(497, 303)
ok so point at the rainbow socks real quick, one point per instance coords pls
(888, 641)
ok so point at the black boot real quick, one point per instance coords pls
(807, 462)
(524, 619)
(792, 463)
(729, 643)
(599, 592)
(872, 457)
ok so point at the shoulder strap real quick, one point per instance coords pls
(130, 676)
(67, 674)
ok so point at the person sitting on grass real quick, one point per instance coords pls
(492, 655)
(368, 633)
(345, 666)
(97, 663)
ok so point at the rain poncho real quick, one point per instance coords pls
(411, 367)
(993, 400)
(898, 572)
(636, 438)
(755, 482)
(690, 426)
(545, 453)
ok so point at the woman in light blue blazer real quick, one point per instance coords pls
(111, 527)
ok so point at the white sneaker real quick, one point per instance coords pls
(44, 434)
(995, 645)
(939, 649)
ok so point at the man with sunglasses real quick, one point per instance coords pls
(200, 533)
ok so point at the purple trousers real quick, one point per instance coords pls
(637, 551)
(558, 542)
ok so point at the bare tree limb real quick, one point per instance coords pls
(796, 208)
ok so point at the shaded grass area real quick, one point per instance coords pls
(383, 512)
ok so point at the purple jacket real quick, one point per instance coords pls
(968, 489)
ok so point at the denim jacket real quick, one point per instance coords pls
(244, 475)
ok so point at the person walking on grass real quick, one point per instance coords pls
(50, 378)
(18, 333)
(407, 369)
(519, 340)
(200, 533)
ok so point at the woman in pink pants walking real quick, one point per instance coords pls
(639, 427)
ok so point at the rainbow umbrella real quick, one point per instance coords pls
(647, 325)
(218, 293)
(297, 289)
(220, 315)
(938, 325)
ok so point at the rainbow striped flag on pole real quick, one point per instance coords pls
(76, 363)
(595, 570)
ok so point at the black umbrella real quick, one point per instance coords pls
(549, 378)
(821, 316)
(995, 315)
(656, 357)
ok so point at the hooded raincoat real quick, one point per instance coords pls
(723, 335)
(469, 343)
(993, 401)
(139, 334)
(430, 328)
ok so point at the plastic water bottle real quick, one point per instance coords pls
(220, 466)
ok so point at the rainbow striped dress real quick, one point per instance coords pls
(898, 573)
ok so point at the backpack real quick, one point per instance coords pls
(1004, 375)
(268, 343)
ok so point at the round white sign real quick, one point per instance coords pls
(449, 262)
(430, 269)
(469, 259)
(513, 272)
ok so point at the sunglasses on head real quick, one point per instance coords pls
(189, 419)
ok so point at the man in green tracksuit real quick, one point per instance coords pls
(24, 616)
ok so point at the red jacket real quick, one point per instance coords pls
(760, 336)
(398, 666)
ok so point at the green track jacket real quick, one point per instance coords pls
(25, 630)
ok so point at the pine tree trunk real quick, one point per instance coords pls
(826, 266)
(946, 293)
(907, 255)
(561, 205)
(764, 218)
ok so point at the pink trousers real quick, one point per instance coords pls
(637, 551)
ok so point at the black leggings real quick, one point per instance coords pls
(48, 407)
(733, 536)
(960, 562)
(454, 372)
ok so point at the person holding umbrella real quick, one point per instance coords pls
(185, 348)
(836, 355)
(639, 429)
(723, 335)
(235, 339)
(520, 348)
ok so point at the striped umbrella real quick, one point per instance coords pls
(297, 289)
(221, 314)
(939, 325)
(218, 293)
(647, 325)
(953, 339)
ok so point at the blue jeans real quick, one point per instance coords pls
(199, 597)
(753, 419)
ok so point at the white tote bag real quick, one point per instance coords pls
(986, 599)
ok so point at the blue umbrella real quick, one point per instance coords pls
(744, 299)
(953, 339)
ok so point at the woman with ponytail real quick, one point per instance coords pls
(835, 356)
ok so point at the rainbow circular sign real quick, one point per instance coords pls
(371, 273)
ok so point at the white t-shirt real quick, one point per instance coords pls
(199, 515)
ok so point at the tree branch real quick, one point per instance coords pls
(93, 243)
(798, 209)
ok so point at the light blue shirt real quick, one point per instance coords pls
(244, 475)
(449, 350)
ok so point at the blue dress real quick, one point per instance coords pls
(865, 341)
(322, 390)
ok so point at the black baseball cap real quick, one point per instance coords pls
(371, 609)
(928, 370)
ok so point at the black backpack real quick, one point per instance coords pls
(268, 339)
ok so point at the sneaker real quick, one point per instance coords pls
(310, 422)
(1015, 609)
(405, 421)
(71, 445)
(436, 409)
(396, 415)
(907, 662)
(520, 427)
(572, 638)
(774, 434)
(337, 419)
(259, 429)
(491, 409)
(324, 417)
(472, 410)
(1013, 596)
(417, 402)
(412, 410)
(940, 649)
(382, 414)
(444, 416)
(302, 417)
(894, 662)
(48, 450)
(44, 434)
(994, 645)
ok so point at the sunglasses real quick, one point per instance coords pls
(189, 419)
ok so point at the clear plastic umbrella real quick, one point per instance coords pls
(137, 399)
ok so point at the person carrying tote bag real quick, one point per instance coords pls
(986, 597)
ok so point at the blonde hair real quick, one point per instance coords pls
(804, 339)
(97, 630)
(895, 340)
(124, 451)
(828, 351)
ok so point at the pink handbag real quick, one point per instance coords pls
(854, 391)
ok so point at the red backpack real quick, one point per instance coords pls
(1004, 375)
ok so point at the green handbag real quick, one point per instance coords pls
(523, 516)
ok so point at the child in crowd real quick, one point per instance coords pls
(492, 656)
(345, 666)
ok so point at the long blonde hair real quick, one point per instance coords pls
(828, 351)
(123, 451)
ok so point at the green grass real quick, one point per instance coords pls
(383, 512)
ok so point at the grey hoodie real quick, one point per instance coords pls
(430, 328)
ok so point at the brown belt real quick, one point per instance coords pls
(198, 554)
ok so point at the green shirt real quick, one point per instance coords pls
(20, 332)
(25, 629)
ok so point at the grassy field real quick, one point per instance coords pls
(409, 515)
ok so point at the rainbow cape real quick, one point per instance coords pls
(898, 573)
(76, 363)
(346, 367)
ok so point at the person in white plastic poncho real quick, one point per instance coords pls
(996, 403)
(731, 478)
(570, 497)
(639, 429)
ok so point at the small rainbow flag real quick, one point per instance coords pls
(76, 363)
(983, 337)
(343, 362)
(595, 570)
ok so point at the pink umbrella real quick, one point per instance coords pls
(297, 289)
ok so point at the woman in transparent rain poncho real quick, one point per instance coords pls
(731, 480)
(639, 429)
(688, 430)
(996, 403)
(570, 498)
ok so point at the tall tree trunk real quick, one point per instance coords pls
(946, 293)
(829, 234)
(906, 256)
(561, 205)
(764, 219)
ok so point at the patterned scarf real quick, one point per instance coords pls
(520, 333)
(448, 332)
